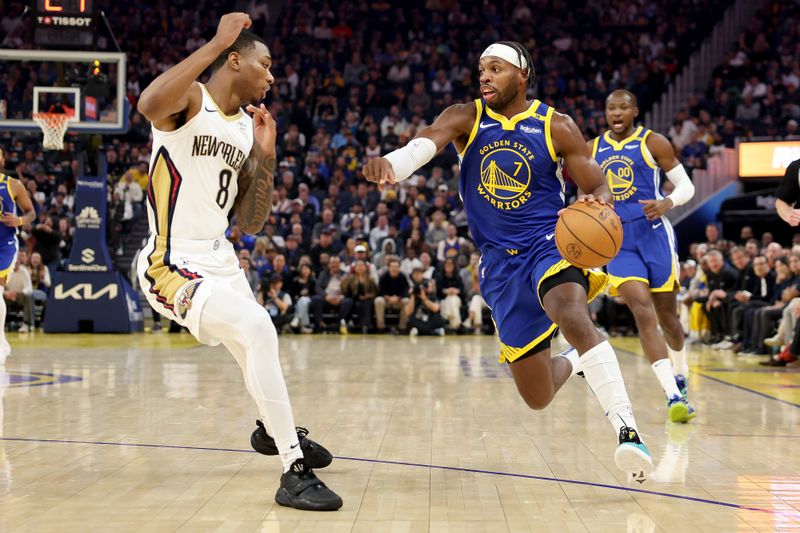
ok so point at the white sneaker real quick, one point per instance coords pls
(724, 345)
(24, 328)
(413, 332)
(440, 332)
(295, 322)
(467, 324)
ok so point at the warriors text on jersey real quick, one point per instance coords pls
(194, 171)
(630, 170)
(510, 182)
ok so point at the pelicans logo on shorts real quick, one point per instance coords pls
(618, 170)
(505, 174)
(184, 298)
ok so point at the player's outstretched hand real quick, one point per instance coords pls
(379, 170)
(655, 209)
(265, 130)
(230, 26)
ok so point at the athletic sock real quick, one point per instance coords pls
(678, 357)
(663, 371)
(601, 368)
(571, 355)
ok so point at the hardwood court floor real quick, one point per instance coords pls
(151, 433)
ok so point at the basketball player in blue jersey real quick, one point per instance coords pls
(645, 272)
(211, 159)
(12, 194)
(511, 152)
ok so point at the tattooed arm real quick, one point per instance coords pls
(257, 178)
(254, 200)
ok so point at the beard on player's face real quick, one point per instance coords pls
(504, 97)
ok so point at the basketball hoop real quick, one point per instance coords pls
(54, 126)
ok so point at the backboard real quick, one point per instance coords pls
(91, 85)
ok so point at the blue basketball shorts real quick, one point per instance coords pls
(510, 281)
(648, 254)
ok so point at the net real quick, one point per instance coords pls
(54, 126)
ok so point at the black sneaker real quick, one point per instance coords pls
(301, 488)
(315, 455)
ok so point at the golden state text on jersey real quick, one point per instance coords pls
(511, 182)
(630, 170)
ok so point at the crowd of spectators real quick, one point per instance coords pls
(743, 295)
(755, 92)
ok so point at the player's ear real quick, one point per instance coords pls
(635, 112)
(233, 60)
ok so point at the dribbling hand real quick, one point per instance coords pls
(589, 199)
(379, 170)
(265, 130)
(230, 26)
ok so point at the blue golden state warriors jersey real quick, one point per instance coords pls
(630, 170)
(510, 181)
(8, 205)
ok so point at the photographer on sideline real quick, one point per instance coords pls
(422, 308)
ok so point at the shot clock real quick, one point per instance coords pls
(65, 23)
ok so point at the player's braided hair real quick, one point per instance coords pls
(523, 55)
(244, 41)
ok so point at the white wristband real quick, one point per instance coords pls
(417, 153)
(684, 188)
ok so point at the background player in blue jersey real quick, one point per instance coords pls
(511, 152)
(12, 193)
(645, 272)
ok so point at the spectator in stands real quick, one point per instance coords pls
(756, 293)
(19, 292)
(48, 242)
(423, 310)
(452, 245)
(301, 289)
(253, 278)
(721, 278)
(330, 296)
(450, 291)
(362, 290)
(324, 246)
(277, 302)
(393, 290)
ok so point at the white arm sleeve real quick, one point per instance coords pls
(417, 153)
(684, 188)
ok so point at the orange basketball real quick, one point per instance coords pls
(588, 235)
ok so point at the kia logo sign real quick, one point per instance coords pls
(85, 291)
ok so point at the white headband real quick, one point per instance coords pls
(503, 51)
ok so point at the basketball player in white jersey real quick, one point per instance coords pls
(209, 157)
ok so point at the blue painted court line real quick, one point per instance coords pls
(787, 402)
(723, 382)
(423, 465)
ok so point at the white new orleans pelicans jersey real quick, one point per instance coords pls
(194, 175)
(194, 172)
